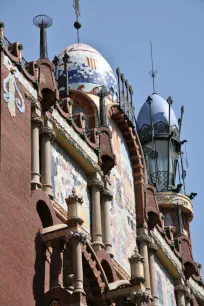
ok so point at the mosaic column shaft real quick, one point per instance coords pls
(105, 208)
(144, 240)
(35, 146)
(46, 137)
(152, 251)
(96, 185)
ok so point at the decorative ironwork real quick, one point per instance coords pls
(77, 24)
(126, 98)
(43, 22)
(160, 178)
(153, 72)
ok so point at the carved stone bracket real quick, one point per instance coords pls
(136, 257)
(96, 182)
(37, 119)
(140, 298)
(48, 131)
(80, 236)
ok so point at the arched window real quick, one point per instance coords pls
(44, 214)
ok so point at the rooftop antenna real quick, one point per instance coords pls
(153, 72)
(77, 24)
(43, 22)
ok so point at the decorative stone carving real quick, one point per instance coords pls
(152, 247)
(80, 236)
(189, 296)
(37, 119)
(74, 203)
(46, 130)
(107, 193)
(180, 288)
(144, 237)
(96, 182)
(136, 257)
(140, 298)
(55, 303)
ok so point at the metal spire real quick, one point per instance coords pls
(153, 72)
(77, 24)
(43, 22)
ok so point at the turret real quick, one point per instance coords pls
(159, 135)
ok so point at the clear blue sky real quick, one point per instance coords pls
(121, 31)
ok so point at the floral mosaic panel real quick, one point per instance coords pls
(66, 174)
(122, 211)
(165, 286)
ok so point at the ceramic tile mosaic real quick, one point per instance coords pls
(122, 211)
(88, 69)
(66, 174)
(165, 286)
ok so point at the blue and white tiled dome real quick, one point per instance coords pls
(88, 69)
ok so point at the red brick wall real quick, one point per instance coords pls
(19, 221)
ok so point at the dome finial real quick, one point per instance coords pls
(77, 24)
(153, 72)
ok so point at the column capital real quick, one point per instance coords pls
(152, 247)
(144, 237)
(96, 182)
(35, 118)
(48, 131)
(107, 193)
(189, 296)
(180, 288)
(79, 236)
(136, 257)
(74, 198)
(140, 298)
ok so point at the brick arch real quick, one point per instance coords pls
(104, 257)
(39, 198)
(81, 99)
(136, 156)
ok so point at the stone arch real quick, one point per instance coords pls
(44, 208)
(136, 156)
(44, 214)
(107, 269)
(81, 99)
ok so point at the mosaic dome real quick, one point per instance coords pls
(160, 113)
(88, 69)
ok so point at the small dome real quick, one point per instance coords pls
(160, 113)
(88, 69)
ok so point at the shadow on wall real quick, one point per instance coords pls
(40, 252)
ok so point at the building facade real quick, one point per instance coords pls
(92, 211)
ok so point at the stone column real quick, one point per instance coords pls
(106, 197)
(47, 135)
(36, 123)
(96, 185)
(188, 298)
(144, 240)
(56, 264)
(77, 239)
(180, 291)
(137, 268)
(152, 251)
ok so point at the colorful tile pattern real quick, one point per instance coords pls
(88, 69)
(165, 286)
(66, 174)
(122, 211)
